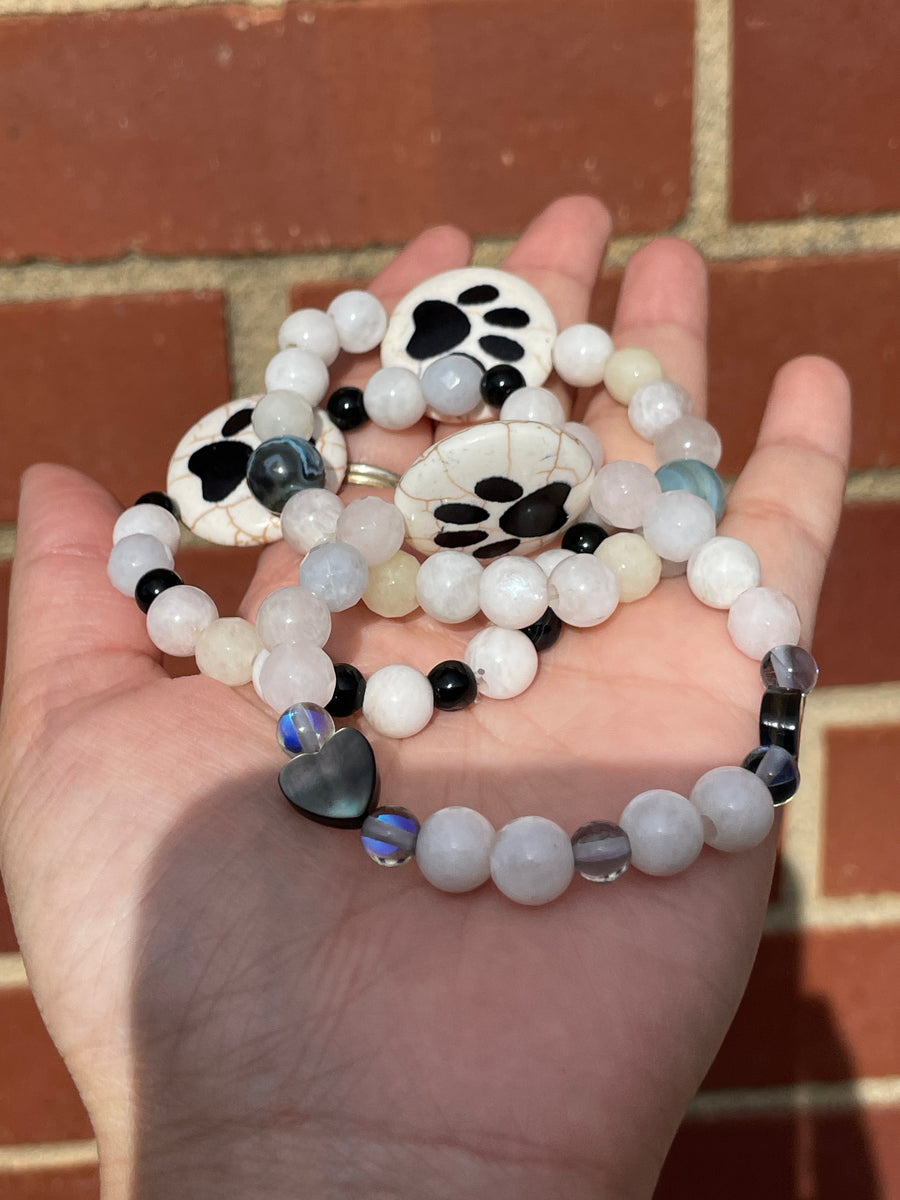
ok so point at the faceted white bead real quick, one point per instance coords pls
(452, 385)
(588, 439)
(513, 592)
(283, 413)
(295, 370)
(226, 649)
(677, 524)
(313, 330)
(534, 404)
(761, 618)
(634, 562)
(532, 861)
(176, 618)
(296, 673)
(399, 701)
(722, 568)
(689, 437)
(665, 831)
(148, 518)
(735, 806)
(656, 405)
(360, 320)
(453, 849)
(133, 556)
(627, 370)
(548, 559)
(393, 398)
(447, 586)
(310, 517)
(375, 527)
(586, 591)
(257, 669)
(580, 354)
(293, 614)
(504, 662)
(337, 573)
(623, 491)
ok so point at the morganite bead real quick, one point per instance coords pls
(452, 385)
(313, 330)
(151, 519)
(296, 673)
(602, 851)
(548, 559)
(176, 618)
(735, 807)
(504, 662)
(399, 701)
(721, 569)
(310, 517)
(226, 649)
(532, 861)
(689, 437)
(534, 404)
(665, 831)
(583, 590)
(133, 556)
(360, 320)
(691, 475)
(761, 618)
(588, 439)
(789, 667)
(447, 586)
(283, 414)
(627, 370)
(453, 849)
(656, 405)
(293, 614)
(375, 527)
(580, 354)
(337, 573)
(633, 561)
(513, 592)
(677, 524)
(623, 492)
(296, 370)
(393, 398)
(391, 591)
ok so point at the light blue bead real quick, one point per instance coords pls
(691, 475)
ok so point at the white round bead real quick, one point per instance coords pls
(532, 861)
(627, 370)
(677, 523)
(583, 591)
(360, 320)
(226, 649)
(295, 370)
(513, 592)
(761, 618)
(453, 849)
(588, 439)
(375, 527)
(452, 385)
(399, 701)
(534, 404)
(580, 354)
(504, 662)
(665, 831)
(133, 556)
(634, 562)
(623, 491)
(293, 614)
(296, 673)
(722, 568)
(310, 517)
(176, 618)
(313, 330)
(735, 806)
(548, 559)
(447, 586)
(656, 405)
(337, 573)
(148, 518)
(283, 413)
(393, 398)
(689, 437)
(257, 669)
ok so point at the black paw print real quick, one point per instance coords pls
(222, 466)
(538, 514)
(439, 326)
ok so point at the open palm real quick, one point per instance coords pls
(247, 1004)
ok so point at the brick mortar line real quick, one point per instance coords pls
(12, 971)
(799, 1097)
(41, 1156)
(710, 118)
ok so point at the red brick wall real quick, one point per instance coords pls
(173, 179)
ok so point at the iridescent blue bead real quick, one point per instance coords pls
(789, 667)
(282, 466)
(780, 714)
(304, 729)
(777, 769)
(389, 836)
(691, 475)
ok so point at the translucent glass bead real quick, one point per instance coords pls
(627, 370)
(665, 831)
(148, 518)
(296, 673)
(283, 414)
(583, 537)
(349, 691)
(777, 769)
(780, 715)
(586, 591)
(391, 590)
(293, 614)
(394, 398)
(132, 557)
(453, 849)
(691, 475)
(677, 524)
(453, 685)
(580, 354)
(303, 729)
(622, 493)
(447, 586)
(225, 650)
(452, 385)
(337, 573)
(310, 517)
(282, 466)
(149, 586)
(500, 381)
(389, 836)
(503, 661)
(375, 527)
(789, 667)
(602, 851)
(721, 569)
(398, 701)
(534, 404)
(313, 330)
(532, 861)
(513, 592)
(360, 320)
(296, 370)
(656, 405)
(635, 564)
(689, 437)
(761, 618)
(735, 807)
(176, 618)
(544, 632)
(588, 439)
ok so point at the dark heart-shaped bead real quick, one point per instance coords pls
(337, 785)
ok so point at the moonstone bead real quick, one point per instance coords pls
(151, 519)
(735, 807)
(627, 370)
(761, 618)
(532, 860)
(360, 320)
(337, 573)
(398, 701)
(586, 591)
(548, 559)
(602, 851)
(452, 385)
(689, 437)
(133, 556)
(453, 849)
(293, 614)
(691, 475)
(304, 729)
(622, 493)
(534, 404)
(665, 831)
(389, 836)
(296, 370)
(580, 354)
(225, 650)
(789, 667)
(722, 568)
(176, 618)
(283, 414)
(375, 527)
(656, 405)
(513, 592)
(504, 662)
(393, 398)
(257, 668)
(310, 517)
(447, 586)
(296, 673)
(588, 439)
(313, 330)
(634, 562)
(391, 591)
(677, 524)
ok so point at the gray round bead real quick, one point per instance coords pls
(789, 667)
(602, 851)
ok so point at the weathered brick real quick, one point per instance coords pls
(863, 786)
(52, 1183)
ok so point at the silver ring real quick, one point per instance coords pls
(368, 475)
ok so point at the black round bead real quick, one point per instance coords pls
(349, 690)
(499, 382)
(453, 684)
(777, 769)
(162, 500)
(545, 631)
(583, 538)
(149, 586)
(346, 408)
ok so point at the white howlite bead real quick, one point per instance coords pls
(532, 861)
(622, 493)
(393, 398)
(586, 591)
(293, 614)
(761, 618)
(295, 370)
(504, 662)
(153, 519)
(360, 320)
(337, 573)
(177, 617)
(133, 556)
(656, 405)
(296, 673)
(627, 370)
(447, 586)
(580, 354)
(588, 439)
(283, 414)
(375, 527)
(635, 563)
(665, 831)
(226, 650)
(513, 592)
(399, 701)
(677, 524)
(735, 806)
(722, 568)
(689, 437)
(310, 517)
(534, 404)
(452, 385)
(257, 669)
(548, 559)
(453, 849)
(313, 330)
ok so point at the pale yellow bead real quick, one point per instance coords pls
(226, 649)
(392, 586)
(627, 370)
(634, 562)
